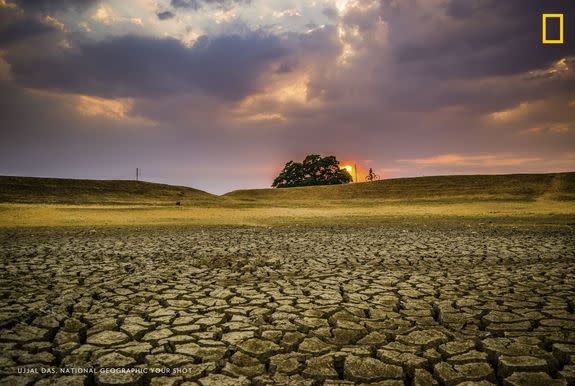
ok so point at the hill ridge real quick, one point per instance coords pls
(520, 186)
(512, 187)
(19, 189)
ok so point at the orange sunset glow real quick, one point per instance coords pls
(349, 168)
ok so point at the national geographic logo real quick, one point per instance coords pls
(553, 21)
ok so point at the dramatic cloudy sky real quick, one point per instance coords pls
(219, 94)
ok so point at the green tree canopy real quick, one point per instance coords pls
(314, 170)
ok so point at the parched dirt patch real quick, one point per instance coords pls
(288, 306)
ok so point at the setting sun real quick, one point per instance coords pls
(349, 168)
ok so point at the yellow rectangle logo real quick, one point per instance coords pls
(552, 16)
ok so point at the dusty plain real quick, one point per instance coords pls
(448, 291)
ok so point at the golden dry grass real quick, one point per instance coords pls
(31, 215)
(536, 198)
(505, 187)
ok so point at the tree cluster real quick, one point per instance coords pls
(314, 170)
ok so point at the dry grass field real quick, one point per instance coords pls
(537, 212)
(466, 280)
(543, 198)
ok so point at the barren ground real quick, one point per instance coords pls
(304, 305)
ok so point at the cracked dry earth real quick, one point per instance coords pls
(289, 306)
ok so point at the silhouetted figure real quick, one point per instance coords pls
(371, 176)
(178, 203)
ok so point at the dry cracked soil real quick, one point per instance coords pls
(376, 305)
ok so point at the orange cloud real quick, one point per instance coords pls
(470, 160)
(516, 112)
(95, 107)
(115, 109)
(106, 15)
(265, 117)
(274, 103)
(5, 4)
(109, 108)
(554, 129)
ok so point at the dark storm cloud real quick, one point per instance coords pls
(197, 4)
(436, 57)
(476, 38)
(23, 29)
(226, 66)
(49, 6)
(165, 15)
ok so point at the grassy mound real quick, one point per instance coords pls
(512, 187)
(72, 191)
(447, 189)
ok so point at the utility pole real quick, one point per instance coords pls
(137, 174)
(355, 170)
